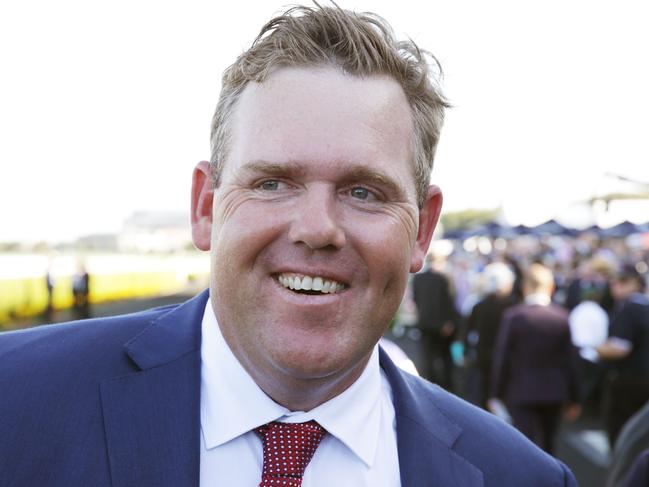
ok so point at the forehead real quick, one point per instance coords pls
(322, 114)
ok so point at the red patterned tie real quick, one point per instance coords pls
(288, 449)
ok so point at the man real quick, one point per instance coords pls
(534, 369)
(436, 318)
(315, 207)
(626, 351)
(81, 292)
(484, 322)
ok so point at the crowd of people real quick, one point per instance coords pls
(541, 328)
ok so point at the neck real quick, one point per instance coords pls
(305, 394)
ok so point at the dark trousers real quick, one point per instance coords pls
(623, 397)
(438, 364)
(485, 384)
(591, 379)
(477, 385)
(539, 422)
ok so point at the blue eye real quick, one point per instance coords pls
(270, 185)
(360, 193)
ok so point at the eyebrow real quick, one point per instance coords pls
(355, 173)
(273, 168)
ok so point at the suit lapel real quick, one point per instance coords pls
(425, 438)
(152, 417)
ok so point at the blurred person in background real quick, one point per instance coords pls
(49, 286)
(437, 322)
(589, 301)
(462, 271)
(483, 325)
(81, 292)
(514, 263)
(626, 351)
(533, 366)
(590, 281)
(589, 329)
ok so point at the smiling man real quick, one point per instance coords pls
(315, 219)
(316, 206)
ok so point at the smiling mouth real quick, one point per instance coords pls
(312, 285)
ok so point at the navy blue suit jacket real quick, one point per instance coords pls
(115, 402)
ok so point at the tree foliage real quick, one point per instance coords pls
(467, 218)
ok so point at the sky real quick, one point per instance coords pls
(105, 107)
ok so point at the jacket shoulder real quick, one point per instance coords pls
(504, 455)
(51, 417)
(74, 347)
(522, 311)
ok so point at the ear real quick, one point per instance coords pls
(202, 197)
(428, 217)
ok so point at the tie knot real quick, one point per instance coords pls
(288, 449)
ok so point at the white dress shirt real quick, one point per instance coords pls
(360, 448)
(588, 329)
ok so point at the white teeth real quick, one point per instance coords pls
(306, 283)
(317, 284)
(309, 283)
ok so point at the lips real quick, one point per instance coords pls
(313, 284)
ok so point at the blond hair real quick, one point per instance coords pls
(539, 278)
(361, 44)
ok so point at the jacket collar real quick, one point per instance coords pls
(425, 435)
(170, 336)
(152, 417)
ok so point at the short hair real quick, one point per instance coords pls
(361, 44)
(539, 278)
(498, 277)
(628, 273)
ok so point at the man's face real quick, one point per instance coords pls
(318, 187)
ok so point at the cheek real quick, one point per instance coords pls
(389, 234)
(385, 246)
(241, 237)
(241, 227)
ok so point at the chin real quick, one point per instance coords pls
(320, 363)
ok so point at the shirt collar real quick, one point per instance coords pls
(538, 299)
(232, 404)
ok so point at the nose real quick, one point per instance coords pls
(316, 222)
